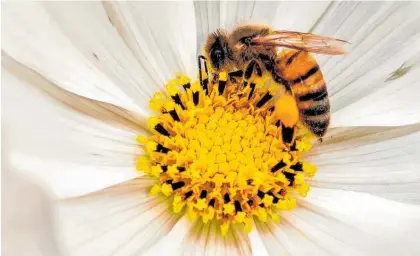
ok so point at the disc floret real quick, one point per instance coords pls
(220, 153)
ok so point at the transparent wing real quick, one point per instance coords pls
(303, 41)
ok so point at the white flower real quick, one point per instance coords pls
(77, 78)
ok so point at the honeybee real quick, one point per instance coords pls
(250, 49)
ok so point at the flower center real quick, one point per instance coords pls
(219, 152)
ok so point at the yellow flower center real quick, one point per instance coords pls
(219, 152)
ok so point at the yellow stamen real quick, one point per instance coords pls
(221, 156)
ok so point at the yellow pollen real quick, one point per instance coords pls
(227, 154)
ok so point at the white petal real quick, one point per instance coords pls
(382, 161)
(257, 244)
(331, 222)
(116, 54)
(28, 220)
(120, 220)
(384, 38)
(394, 103)
(299, 16)
(206, 239)
(71, 153)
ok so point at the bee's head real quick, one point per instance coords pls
(217, 50)
(240, 40)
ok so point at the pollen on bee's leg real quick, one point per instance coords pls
(220, 153)
(286, 110)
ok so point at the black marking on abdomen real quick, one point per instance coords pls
(318, 127)
(318, 95)
(306, 76)
(316, 110)
(292, 58)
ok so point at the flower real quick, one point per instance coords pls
(77, 80)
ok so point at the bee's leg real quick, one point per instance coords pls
(204, 78)
(253, 65)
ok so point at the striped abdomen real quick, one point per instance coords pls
(305, 79)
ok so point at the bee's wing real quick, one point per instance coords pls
(303, 41)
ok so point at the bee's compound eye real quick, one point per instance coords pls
(217, 57)
(246, 40)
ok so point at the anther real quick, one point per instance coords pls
(238, 207)
(297, 167)
(275, 199)
(278, 166)
(260, 194)
(196, 97)
(174, 115)
(278, 123)
(164, 168)
(290, 177)
(203, 194)
(186, 86)
(181, 169)
(162, 149)
(178, 101)
(226, 198)
(160, 129)
(250, 202)
(177, 185)
(188, 195)
(212, 202)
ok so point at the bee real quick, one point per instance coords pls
(250, 49)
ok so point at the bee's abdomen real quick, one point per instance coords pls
(307, 83)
